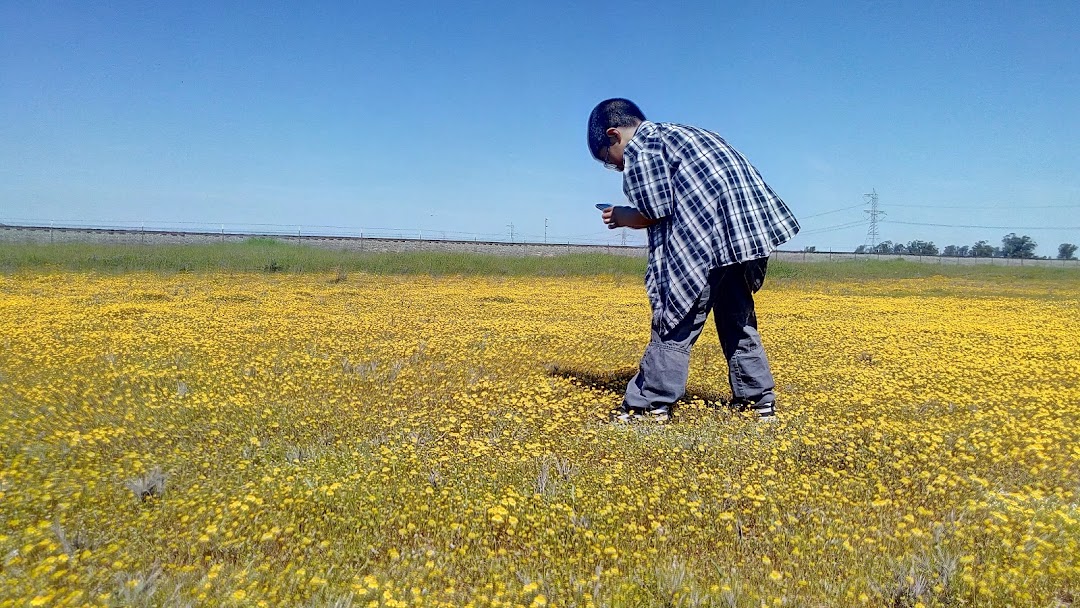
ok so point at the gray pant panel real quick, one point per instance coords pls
(665, 366)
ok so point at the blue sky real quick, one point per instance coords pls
(460, 119)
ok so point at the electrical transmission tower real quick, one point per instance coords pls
(875, 213)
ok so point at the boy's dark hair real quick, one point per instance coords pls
(610, 113)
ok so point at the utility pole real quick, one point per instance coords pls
(545, 230)
(874, 211)
(511, 227)
(623, 231)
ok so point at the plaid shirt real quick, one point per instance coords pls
(716, 210)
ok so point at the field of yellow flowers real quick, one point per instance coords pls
(271, 439)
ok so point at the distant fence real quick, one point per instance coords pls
(48, 234)
(381, 244)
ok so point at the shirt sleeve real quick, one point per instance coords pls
(646, 183)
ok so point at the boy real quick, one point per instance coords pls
(712, 224)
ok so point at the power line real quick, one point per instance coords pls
(987, 208)
(806, 217)
(834, 228)
(985, 227)
(858, 205)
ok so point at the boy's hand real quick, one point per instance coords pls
(625, 217)
(616, 217)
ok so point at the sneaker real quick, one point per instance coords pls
(765, 411)
(626, 415)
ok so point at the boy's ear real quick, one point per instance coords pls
(614, 135)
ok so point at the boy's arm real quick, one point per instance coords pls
(626, 217)
(647, 184)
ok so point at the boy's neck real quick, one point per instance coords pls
(628, 132)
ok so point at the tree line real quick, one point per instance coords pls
(1012, 246)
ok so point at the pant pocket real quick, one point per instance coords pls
(754, 273)
(665, 369)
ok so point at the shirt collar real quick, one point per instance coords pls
(644, 130)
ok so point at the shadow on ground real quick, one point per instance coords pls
(615, 381)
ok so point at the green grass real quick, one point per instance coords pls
(269, 255)
(870, 269)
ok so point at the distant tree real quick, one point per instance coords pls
(883, 247)
(982, 249)
(861, 249)
(951, 251)
(1066, 251)
(810, 249)
(964, 251)
(922, 248)
(1013, 246)
(899, 249)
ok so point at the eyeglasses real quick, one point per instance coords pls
(604, 159)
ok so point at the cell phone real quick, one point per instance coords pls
(602, 206)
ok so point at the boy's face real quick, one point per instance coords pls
(612, 156)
